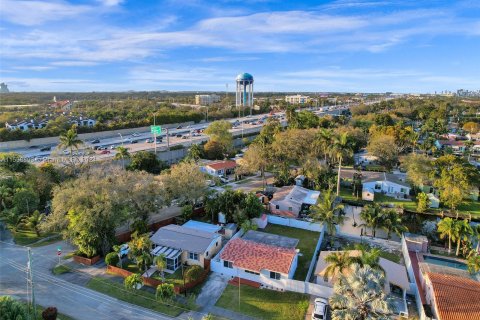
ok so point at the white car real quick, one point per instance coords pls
(320, 309)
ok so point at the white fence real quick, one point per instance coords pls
(294, 223)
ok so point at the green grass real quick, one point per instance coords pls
(173, 278)
(39, 310)
(61, 269)
(139, 297)
(131, 266)
(265, 304)
(307, 243)
(472, 207)
(26, 237)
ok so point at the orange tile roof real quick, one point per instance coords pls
(457, 298)
(255, 256)
(222, 165)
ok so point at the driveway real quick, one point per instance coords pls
(70, 299)
(212, 290)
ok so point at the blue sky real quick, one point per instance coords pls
(343, 45)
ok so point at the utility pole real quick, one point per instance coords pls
(168, 146)
(30, 283)
(155, 135)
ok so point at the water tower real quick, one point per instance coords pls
(244, 92)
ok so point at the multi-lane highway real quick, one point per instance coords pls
(106, 147)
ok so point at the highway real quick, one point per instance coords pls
(188, 135)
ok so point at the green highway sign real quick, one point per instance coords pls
(156, 129)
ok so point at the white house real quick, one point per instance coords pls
(363, 158)
(288, 201)
(221, 168)
(182, 244)
(434, 201)
(26, 125)
(387, 183)
(252, 260)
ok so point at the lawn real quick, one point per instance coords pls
(307, 243)
(174, 278)
(472, 207)
(26, 237)
(61, 269)
(131, 266)
(265, 304)
(40, 309)
(139, 297)
(346, 194)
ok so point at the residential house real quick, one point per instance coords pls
(26, 125)
(289, 201)
(368, 194)
(396, 277)
(452, 298)
(434, 202)
(221, 168)
(62, 104)
(387, 183)
(473, 136)
(364, 158)
(82, 122)
(255, 261)
(182, 244)
(226, 231)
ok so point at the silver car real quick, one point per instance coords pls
(320, 309)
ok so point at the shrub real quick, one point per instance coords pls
(133, 281)
(193, 273)
(50, 313)
(12, 309)
(165, 292)
(423, 202)
(112, 259)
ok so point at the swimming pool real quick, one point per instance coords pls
(445, 262)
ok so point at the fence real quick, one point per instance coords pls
(295, 223)
(315, 255)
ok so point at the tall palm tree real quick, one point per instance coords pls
(372, 215)
(360, 296)
(464, 231)
(337, 263)
(392, 222)
(448, 229)
(327, 211)
(122, 153)
(70, 140)
(323, 141)
(341, 148)
(161, 262)
(370, 258)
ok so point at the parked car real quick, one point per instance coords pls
(113, 147)
(105, 152)
(124, 250)
(95, 141)
(223, 180)
(320, 309)
(46, 149)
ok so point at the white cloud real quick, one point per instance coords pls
(110, 3)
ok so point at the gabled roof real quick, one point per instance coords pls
(255, 256)
(383, 176)
(456, 298)
(184, 238)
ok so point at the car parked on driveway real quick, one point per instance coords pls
(320, 309)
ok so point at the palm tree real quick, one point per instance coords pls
(448, 229)
(372, 215)
(464, 231)
(476, 231)
(161, 262)
(323, 141)
(144, 260)
(370, 258)
(340, 149)
(473, 264)
(337, 262)
(117, 249)
(122, 153)
(69, 140)
(392, 222)
(360, 296)
(33, 221)
(328, 211)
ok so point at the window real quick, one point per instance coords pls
(274, 275)
(216, 244)
(290, 209)
(402, 190)
(206, 254)
(378, 186)
(252, 272)
(228, 264)
(193, 256)
(277, 207)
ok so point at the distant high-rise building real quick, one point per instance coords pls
(206, 99)
(244, 92)
(4, 88)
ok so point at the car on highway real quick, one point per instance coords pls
(149, 140)
(134, 141)
(178, 135)
(159, 141)
(95, 141)
(135, 134)
(33, 147)
(46, 149)
(320, 309)
(179, 127)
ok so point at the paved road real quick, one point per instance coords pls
(71, 299)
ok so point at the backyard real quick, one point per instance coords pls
(264, 304)
(307, 241)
